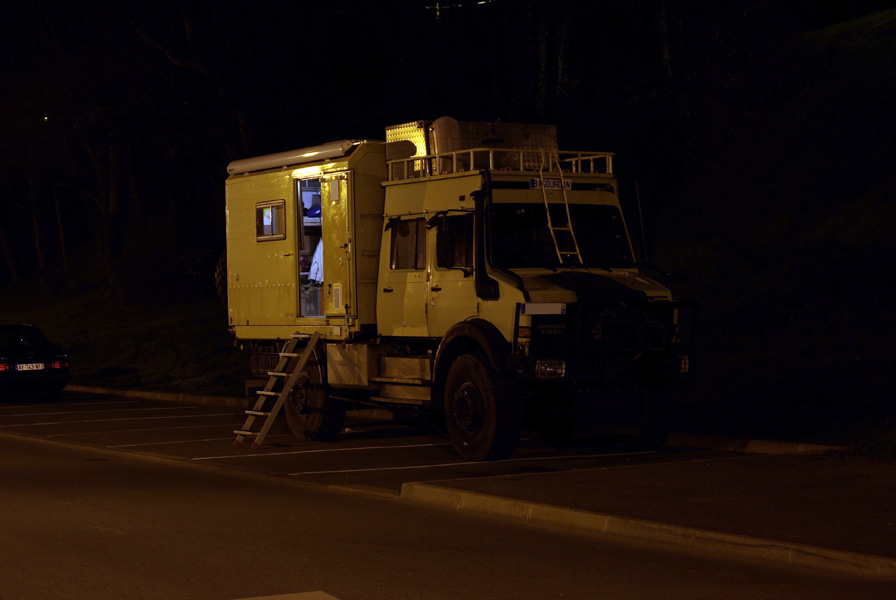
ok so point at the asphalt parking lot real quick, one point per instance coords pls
(374, 453)
(785, 503)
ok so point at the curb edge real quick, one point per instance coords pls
(732, 545)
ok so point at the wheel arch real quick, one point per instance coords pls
(468, 337)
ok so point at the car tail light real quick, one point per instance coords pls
(59, 364)
(4, 367)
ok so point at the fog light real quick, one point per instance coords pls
(550, 369)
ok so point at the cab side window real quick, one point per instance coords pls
(454, 242)
(408, 244)
(270, 220)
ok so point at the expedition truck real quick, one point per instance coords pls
(468, 268)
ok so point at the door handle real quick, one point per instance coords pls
(436, 288)
(388, 290)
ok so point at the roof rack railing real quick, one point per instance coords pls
(498, 159)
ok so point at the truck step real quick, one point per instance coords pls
(264, 393)
(400, 380)
(404, 401)
(257, 413)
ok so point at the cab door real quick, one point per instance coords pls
(451, 292)
(402, 297)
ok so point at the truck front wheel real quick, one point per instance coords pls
(310, 412)
(480, 414)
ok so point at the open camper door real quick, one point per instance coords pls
(338, 292)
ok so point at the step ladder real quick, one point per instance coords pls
(566, 251)
(280, 383)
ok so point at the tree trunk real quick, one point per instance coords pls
(10, 259)
(111, 225)
(37, 229)
(62, 250)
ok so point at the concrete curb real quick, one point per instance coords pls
(732, 545)
(746, 445)
(162, 396)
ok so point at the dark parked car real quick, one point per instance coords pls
(29, 363)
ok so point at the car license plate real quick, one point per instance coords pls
(30, 367)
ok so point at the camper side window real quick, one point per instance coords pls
(408, 244)
(270, 220)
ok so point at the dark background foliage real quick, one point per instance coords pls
(760, 134)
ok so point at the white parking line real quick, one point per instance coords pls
(190, 441)
(93, 412)
(298, 596)
(107, 432)
(111, 420)
(320, 451)
(472, 464)
(69, 404)
(169, 443)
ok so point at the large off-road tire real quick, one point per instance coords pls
(310, 412)
(482, 417)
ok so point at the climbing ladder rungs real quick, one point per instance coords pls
(552, 159)
(288, 368)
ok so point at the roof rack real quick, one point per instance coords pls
(499, 159)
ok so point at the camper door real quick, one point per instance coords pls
(261, 250)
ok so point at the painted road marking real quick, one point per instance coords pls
(527, 459)
(110, 431)
(229, 438)
(69, 404)
(94, 412)
(299, 596)
(320, 451)
(112, 420)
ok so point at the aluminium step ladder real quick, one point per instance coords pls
(567, 251)
(284, 377)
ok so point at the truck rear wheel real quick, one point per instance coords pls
(479, 411)
(310, 412)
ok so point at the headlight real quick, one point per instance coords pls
(550, 369)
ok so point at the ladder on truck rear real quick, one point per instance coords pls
(567, 250)
(280, 383)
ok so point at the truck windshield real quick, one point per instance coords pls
(520, 237)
